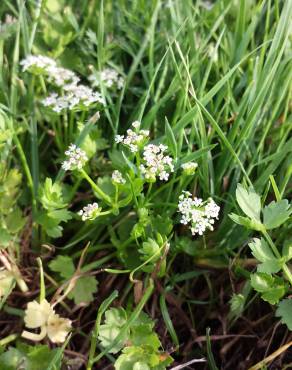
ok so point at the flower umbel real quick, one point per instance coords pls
(109, 77)
(38, 63)
(189, 168)
(42, 315)
(134, 140)
(200, 215)
(156, 163)
(117, 177)
(89, 212)
(76, 97)
(76, 158)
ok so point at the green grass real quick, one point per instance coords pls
(213, 83)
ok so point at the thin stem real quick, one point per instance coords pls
(96, 188)
(285, 268)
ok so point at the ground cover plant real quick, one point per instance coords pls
(145, 184)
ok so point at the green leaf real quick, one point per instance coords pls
(84, 290)
(11, 360)
(5, 237)
(271, 288)
(262, 252)
(93, 141)
(27, 357)
(61, 215)
(284, 311)
(115, 319)
(141, 366)
(51, 195)
(276, 213)
(150, 248)
(50, 225)
(246, 222)
(237, 303)
(15, 221)
(249, 201)
(162, 224)
(63, 265)
(142, 332)
(141, 358)
(9, 190)
(170, 139)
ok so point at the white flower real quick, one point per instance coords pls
(62, 77)
(119, 138)
(37, 314)
(136, 124)
(156, 164)
(117, 177)
(89, 212)
(42, 315)
(134, 139)
(200, 215)
(76, 97)
(57, 75)
(189, 168)
(76, 158)
(109, 77)
(37, 62)
(58, 328)
(6, 280)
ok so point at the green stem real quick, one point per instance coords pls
(285, 268)
(96, 188)
(8, 339)
(270, 241)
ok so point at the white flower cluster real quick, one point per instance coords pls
(117, 177)
(76, 158)
(156, 163)
(201, 215)
(37, 62)
(74, 96)
(89, 212)
(189, 168)
(42, 315)
(62, 77)
(134, 139)
(109, 77)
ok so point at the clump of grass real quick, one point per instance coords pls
(134, 135)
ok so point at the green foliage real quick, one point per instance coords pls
(272, 289)
(263, 253)
(276, 213)
(51, 195)
(284, 312)
(63, 265)
(140, 345)
(84, 289)
(9, 190)
(53, 198)
(84, 286)
(115, 319)
(35, 357)
(208, 79)
(249, 201)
